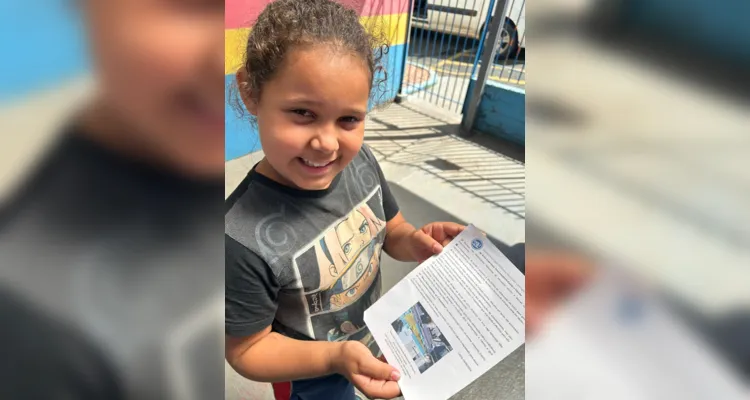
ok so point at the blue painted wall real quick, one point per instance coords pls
(43, 45)
(501, 112)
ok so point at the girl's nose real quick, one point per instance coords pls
(325, 141)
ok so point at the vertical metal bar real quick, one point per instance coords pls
(440, 53)
(520, 74)
(506, 11)
(432, 36)
(483, 35)
(422, 46)
(444, 87)
(459, 87)
(515, 62)
(406, 50)
(518, 52)
(459, 104)
(488, 54)
(414, 49)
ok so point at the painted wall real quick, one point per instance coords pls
(501, 112)
(390, 16)
(47, 47)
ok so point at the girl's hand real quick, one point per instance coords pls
(552, 278)
(430, 240)
(374, 378)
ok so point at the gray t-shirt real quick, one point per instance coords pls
(111, 281)
(305, 262)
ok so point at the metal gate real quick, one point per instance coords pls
(450, 41)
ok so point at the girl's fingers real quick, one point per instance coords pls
(376, 369)
(378, 389)
(442, 231)
(452, 229)
(425, 245)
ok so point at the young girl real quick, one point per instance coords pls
(305, 229)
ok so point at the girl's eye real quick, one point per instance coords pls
(302, 112)
(349, 120)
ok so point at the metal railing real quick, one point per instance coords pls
(498, 35)
(508, 64)
(445, 44)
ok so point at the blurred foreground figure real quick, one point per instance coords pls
(111, 254)
(601, 332)
(551, 279)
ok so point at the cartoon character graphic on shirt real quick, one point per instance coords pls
(344, 242)
(350, 324)
(348, 257)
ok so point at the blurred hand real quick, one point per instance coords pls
(430, 240)
(551, 278)
(374, 378)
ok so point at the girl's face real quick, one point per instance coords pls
(160, 67)
(311, 116)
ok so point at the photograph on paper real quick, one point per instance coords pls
(421, 337)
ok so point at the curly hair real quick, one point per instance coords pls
(288, 24)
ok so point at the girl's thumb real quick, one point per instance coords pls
(428, 243)
(377, 369)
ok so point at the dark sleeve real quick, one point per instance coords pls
(251, 291)
(390, 206)
(45, 358)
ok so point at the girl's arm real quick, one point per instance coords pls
(398, 238)
(270, 357)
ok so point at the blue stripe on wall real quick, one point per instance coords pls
(242, 137)
(46, 45)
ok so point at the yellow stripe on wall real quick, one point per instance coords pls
(394, 26)
(235, 41)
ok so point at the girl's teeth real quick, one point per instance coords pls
(312, 164)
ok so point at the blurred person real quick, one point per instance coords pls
(110, 253)
(555, 277)
(305, 228)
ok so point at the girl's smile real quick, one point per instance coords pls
(316, 168)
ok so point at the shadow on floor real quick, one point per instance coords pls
(483, 166)
(419, 212)
(513, 150)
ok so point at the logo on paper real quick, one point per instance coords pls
(476, 244)
(630, 309)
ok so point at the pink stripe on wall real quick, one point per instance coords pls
(242, 13)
